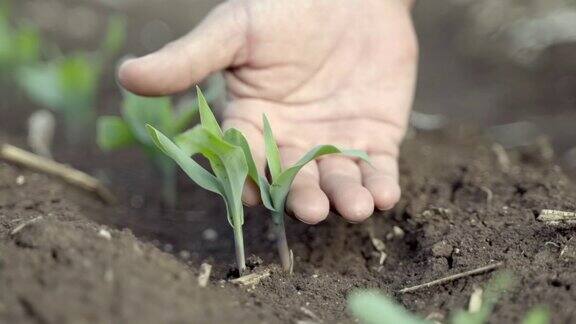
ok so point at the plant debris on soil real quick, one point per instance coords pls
(65, 257)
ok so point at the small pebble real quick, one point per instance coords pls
(398, 232)
(442, 249)
(210, 235)
(105, 234)
(184, 254)
(20, 180)
(168, 247)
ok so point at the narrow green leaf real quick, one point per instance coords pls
(194, 170)
(113, 133)
(370, 307)
(207, 118)
(272, 152)
(236, 137)
(538, 315)
(115, 36)
(228, 164)
(280, 187)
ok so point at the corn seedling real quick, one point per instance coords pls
(275, 192)
(371, 307)
(227, 161)
(19, 46)
(69, 84)
(128, 130)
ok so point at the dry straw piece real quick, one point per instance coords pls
(453, 277)
(72, 176)
(552, 216)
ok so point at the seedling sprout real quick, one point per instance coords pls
(227, 162)
(129, 129)
(275, 192)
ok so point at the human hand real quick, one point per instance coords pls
(336, 72)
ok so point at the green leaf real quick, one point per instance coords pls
(78, 78)
(207, 118)
(27, 45)
(114, 133)
(236, 137)
(228, 164)
(272, 152)
(194, 170)
(280, 187)
(538, 315)
(139, 111)
(41, 84)
(115, 36)
(370, 307)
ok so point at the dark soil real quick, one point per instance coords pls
(461, 209)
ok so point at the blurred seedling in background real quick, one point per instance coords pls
(227, 162)
(372, 307)
(129, 130)
(68, 84)
(275, 192)
(19, 45)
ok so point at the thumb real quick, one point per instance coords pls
(213, 45)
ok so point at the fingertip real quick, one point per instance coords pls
(310, 205)
(250, 194)
(386, 192)
(355, 204)
(127, 73)
(157, 74)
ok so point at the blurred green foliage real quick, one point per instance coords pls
(371, 307)
(19, 45)
(129, 129)
(68, 84)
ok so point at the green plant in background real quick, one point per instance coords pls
(371, 307)
(19, 46)
(274, 193)
(128, 130)
(68, 84)
(227, 162)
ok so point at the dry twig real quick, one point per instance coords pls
(72, 176)
(24, 224)
(550, 216)
(452, 277)
(251, 279)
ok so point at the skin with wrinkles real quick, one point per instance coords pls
(336, 72)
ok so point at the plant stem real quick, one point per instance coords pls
(235, 210)
(239, 245)
(281, 240)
